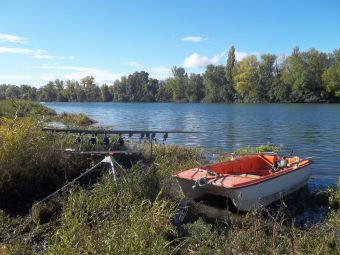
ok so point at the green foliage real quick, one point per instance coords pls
(302, 77)
(331, 76)
(302, 71)
(262, 148)
(333, 195)
(74, 119)
(215, 84)
(29, 167)
(247, 79)
(21, 108)
(134, 217)
(230, 72)
(105, 221)
(195, 90)
(201, 238)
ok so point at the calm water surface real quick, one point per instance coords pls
(308, 129)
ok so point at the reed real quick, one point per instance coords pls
(72, 119)
(24, 108)
(29, 166)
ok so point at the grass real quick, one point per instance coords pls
(11, 109)
(74, 119)
(23, 108)
(29, 166)
(249, 150)
(135, 216)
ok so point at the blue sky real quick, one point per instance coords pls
(46, 40)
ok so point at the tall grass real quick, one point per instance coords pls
(74, 119)
(105, 221)
(24, 108)
(135, 215)
(29, 166)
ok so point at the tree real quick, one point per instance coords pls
(59, 87)
(119, 90)
(247, 79)
(135, 84)
(48, 93)
(150, 90)
(28, 92)
(164, 92)
(3, 88)
(92, 91)
(331, 76)
(214, 82)
(195, 90)
(230, 72)
(302, 71)
(13, 92)
(105, 93)
(178, 83)
(70, 91)
(266, 77)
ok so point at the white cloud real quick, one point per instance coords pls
(160, 72)
(12, 39)
(241, 55)
(66, 68)
(198, 61)
(193, 39)
(79, 72)
(38, 54)
(16, 77)
(133, 64)
(100, 75)
(47, 56)
(42, 54)
(6, 50)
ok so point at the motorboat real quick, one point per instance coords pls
(251, 181)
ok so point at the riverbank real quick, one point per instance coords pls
(137, 217)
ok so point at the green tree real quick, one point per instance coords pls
(28, 92)
(302, 71)
(13, 92)
(70, 91)
(331, 76)
(59, 87)
(3, 88)
(48, 93)
(105, 93)
(150, 90)
(214, 82)
(230, 72)
(195, 90)
(247, 79)
(119, 90)
(135, 84)
(178, 84)
(266, 77)
(92, 91)
(164, 92)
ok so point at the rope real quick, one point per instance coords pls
(73, 181)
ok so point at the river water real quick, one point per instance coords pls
(308, 129)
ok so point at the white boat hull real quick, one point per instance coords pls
(253, 196)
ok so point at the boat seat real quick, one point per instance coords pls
(251, 176)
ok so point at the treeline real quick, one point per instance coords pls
(302, 77)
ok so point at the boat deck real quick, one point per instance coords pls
(223, 180)
(239, 172)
